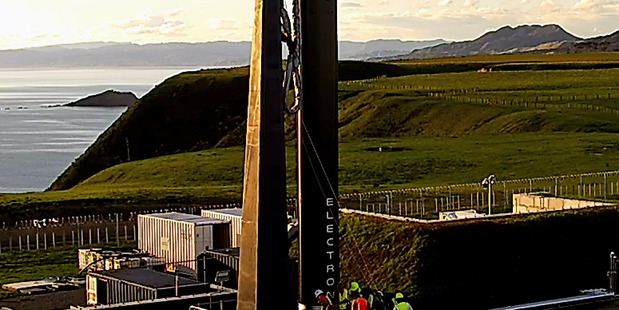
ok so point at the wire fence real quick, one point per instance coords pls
(546, 102)
(428, 202)
(420, 203)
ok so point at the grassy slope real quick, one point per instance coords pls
(377, 109)
(408, 257)
(402, 107)
(215, 176)
(481, 264)
(198, 110)
(190, 111)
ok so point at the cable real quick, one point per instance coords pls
(356, 245)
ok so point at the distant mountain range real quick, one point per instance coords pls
(381, 48)
(521, 39)
(221, 53)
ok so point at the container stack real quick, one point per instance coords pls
(98, 259)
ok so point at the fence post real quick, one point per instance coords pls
(605, 190)
(28, 242)
(117, 231)
(20, 242)
(53, 239)
(37, 240)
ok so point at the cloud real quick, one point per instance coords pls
(147, 23)
(223, 24)
(351, 5)
(47, 36)
(597, 6)
(471, 3)
(444, 2)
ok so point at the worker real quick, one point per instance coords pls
(400, 304)
(323, 300)
(354, 287)
(358, 302)
(344, 301)
(369, 296)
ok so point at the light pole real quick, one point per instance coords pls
(487, 183)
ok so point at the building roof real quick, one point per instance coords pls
(146, 277)
(185, 218)
(231, 251)
(232, 211)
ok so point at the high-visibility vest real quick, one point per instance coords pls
(403, 306)
(344, 302)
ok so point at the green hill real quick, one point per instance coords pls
(187, 112)
(481, 264)
(199, 110)
(190, 111)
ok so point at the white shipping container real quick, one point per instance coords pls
(234, 216)
(178, 238)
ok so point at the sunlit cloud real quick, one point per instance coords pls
(351, 5)
(63, 21)
(148, 23)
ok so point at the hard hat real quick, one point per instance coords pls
(354, 286)
(318, 293)
(399, 295)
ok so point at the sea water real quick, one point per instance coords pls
(37, 142)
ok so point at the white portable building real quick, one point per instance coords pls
(179, 238)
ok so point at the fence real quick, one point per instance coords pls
(427, 202)
(422, 203)
(546, 102)
(48, 233)
(67, 234)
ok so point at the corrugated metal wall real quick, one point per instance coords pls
(179, 242)
(116, 291)
(171, 240)
(235, 224)
(121, 292)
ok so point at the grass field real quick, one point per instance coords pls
(447, 128)
(18, 266)
(445, 139)
(423, 161)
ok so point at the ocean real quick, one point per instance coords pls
(37, 143)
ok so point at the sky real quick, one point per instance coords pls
(27, 23)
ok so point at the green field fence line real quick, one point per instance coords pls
(475, 186)
(541, 102)
(538, 104)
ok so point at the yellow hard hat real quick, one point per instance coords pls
(354, 286)
(399, 295)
